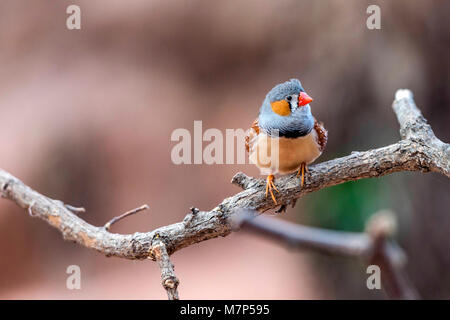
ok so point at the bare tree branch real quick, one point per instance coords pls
(169, 279)
(108, 225)
(419, 150)
(389, 257)
(373, 246)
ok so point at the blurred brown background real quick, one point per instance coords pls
(86, 117)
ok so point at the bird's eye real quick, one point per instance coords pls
(288, 98)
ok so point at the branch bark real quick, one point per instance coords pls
(419, 150)
(170, 281)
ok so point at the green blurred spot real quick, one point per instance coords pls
(347, 206)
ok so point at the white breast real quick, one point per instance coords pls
(292, 152)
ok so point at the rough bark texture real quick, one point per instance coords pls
(169, 279)
(419, 150)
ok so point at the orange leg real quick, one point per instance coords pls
(301, 171)
(269, 186)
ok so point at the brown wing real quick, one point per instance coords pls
(251, 133)
(322, 134)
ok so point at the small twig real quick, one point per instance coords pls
(71, 208)
(373, 246)
(75, 209)
(108, 225)
(30, 208)
(169, 280)
(190, 216)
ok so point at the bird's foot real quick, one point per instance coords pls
(283, 207)
(269, 186)
(301, 171)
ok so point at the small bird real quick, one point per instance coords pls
(285, 137)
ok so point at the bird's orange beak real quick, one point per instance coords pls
(304, 99)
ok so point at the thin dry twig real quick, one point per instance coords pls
(108, 225)
(71, 208)
(75, 209)
(30, 208)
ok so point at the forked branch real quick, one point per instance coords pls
(419, 150)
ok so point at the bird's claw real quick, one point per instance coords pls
(269, 186)
(282, 209)
(301, 171)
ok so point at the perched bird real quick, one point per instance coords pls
(285, 137)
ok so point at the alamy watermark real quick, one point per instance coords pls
(374, 280)
(214, 146)
(73, 21)
(73, 281)
(374, 19)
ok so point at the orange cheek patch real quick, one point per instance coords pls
(281, 107)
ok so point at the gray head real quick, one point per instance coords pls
(286, 109)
